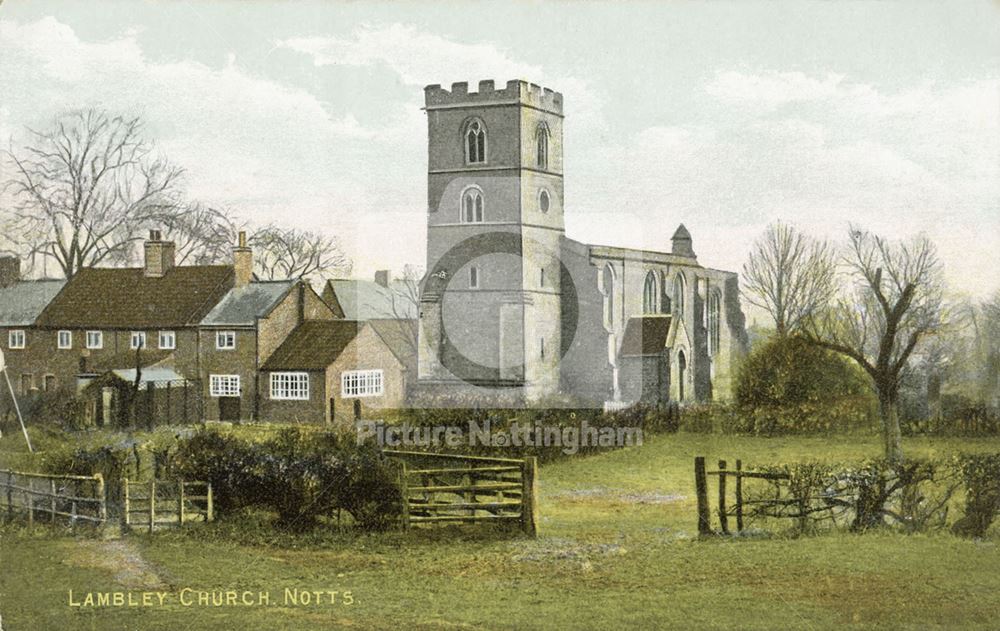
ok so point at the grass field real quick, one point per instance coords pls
(616, 550)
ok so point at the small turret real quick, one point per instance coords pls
(682, 242)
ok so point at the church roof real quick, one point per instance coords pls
(681, 233)
(645, 335)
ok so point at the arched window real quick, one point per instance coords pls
(543, 201)
(542, 144)
(475, 142)
(472, 205)
(608, 291)
(714, 322)
(680, 289)
(650, 294)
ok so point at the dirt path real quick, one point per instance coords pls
(120, 558)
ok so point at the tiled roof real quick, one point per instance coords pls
(126, 298)
(22, 302)
(313, 345)
(367, 300)
(243, 305)
(645, 335)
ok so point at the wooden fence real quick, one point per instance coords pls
(443, 488)
(76, 498)
(740, 504)
(165, 503)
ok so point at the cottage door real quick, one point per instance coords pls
(229, 408)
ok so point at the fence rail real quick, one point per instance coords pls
(165, 503)
(77, 498)
(739, 475)
(452, 488)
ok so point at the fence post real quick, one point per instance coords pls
(180, 502)
(52, 500)
(404, 488)
(152, 505)
(125, 502)
(209, 512)
(701, 490)
(723, 518)
(10, 494)
(529, 496)
(739, 495)
(30, 502)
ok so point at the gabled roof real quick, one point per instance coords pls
(243, 305)
(645, 335)
(368, 300)
(313, 345)
(127, 298)
(401, 338)
(22, 302)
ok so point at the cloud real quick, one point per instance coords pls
(771, 89)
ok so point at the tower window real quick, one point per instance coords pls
(474, 277)
(472, 206)
(475, 142)
(541, 278)
(714, 322)
(542, 144)
(541, 348)
(543, 201)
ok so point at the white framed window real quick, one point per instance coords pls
(95, 339)
(168, 340)
(293, 386)
(472, 205)
(64, 340)
(473, 277)
(16, 339)
(225, 340)
(138, 340)
(475, 142)
(224, 385)
(361, 383)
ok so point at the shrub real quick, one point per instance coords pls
(301, 476)
(981, 478)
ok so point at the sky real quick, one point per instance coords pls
(723, 116)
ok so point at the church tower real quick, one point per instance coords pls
(490, 305)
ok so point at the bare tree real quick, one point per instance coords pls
(789, 275)
(83, 189)
(293, 253)
(202, 235)
(896, 299)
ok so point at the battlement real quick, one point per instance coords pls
(517, 91)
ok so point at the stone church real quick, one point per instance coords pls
(514, 311)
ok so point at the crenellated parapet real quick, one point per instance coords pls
(517, 91)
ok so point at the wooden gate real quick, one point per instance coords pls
(443, 488)
(165, 503)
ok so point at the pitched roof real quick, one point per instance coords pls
(401, 338)
(367, 300)
(681, 233)
(22, 302)
(127, 298)
(313, 345)
(243, 305)
(645, 335)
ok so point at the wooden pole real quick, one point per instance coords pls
(152, 505)
(180, 502)
(723, 517)
(17, 409)
(209, 512)
(404, 488)
(701, 490)
(128, 511)
(529, 496)
(739, 495)
(52, 500)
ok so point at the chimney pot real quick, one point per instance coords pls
(159, 255)
(242, 261)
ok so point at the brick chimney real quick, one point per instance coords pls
(382, 277)
(10, 270)
(159, 255)
(243, 261)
